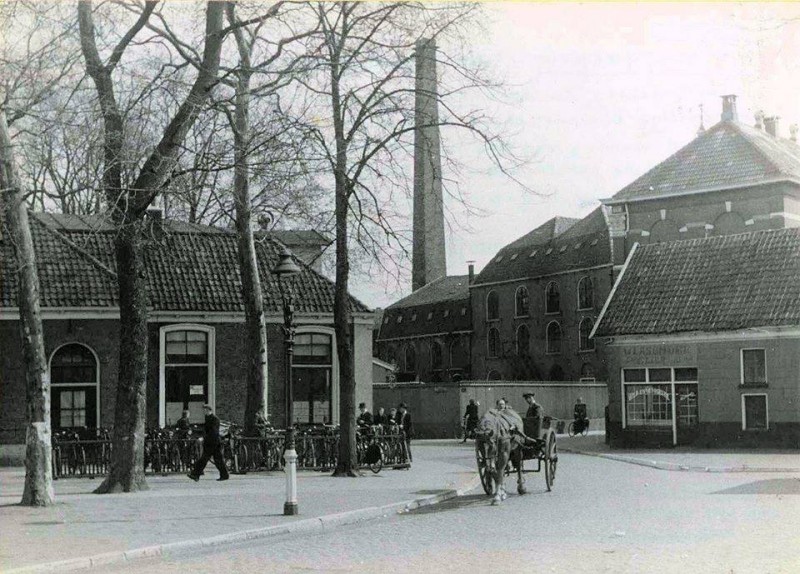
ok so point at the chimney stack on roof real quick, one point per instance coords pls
(729, 108)
(793, 132)
(759, 115)
(771, 125)
(471, 267)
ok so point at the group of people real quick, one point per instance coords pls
(471, 416)
(396, 417)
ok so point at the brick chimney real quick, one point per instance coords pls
(771, 125)
(793, 132)
(471, 267)
(729, 108)
(428, 261)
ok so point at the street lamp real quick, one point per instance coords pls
(287, 268)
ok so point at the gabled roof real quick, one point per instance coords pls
(189, 268)
(716, 284)
(561, 244)
(448, 288)
(727, 155)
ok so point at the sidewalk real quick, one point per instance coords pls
(686, 458)
(177, 514)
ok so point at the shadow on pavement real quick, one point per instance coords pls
(769, 486)
(465, 501)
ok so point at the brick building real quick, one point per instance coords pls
(196, 328)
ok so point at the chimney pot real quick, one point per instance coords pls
(471, 267)
(729, 108)
(771, 125)
(793, 132)
(759, 115)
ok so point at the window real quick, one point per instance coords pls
(411, 359)
(523, 340)
(649, 397)
(521, 300)
(755, 412)
(584, 330)
(74, 387)
(585, 293)
(493, 343)
(553, 338)
(185, 379)
(436, 355)
(552, 298)
(458, 355)
(556, 373)
(312, 374)
(754, 367)
(588, 373)
(446, 313)
(492, 306)
(494, 376)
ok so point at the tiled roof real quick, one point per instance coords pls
(448, 288)
(189, 268)
(716, 284)
(729, 154)
(559, 245)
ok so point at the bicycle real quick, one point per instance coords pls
(578, 427)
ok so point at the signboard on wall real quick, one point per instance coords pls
(658, 355)
(195, 389)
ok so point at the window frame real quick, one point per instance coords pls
(547, 339)
(766, 412)
(742, 382)
(581, 348)
(409, 347)
(547, 310)
(581, 281)
(441, 365)
(497, 296)
(527, 310)
(96, 382)
(489, 354)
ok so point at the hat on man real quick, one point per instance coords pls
(207, 406)
(402, 406)
(362, 405)
(526, 395)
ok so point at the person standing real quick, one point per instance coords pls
(534, 412)
(364, 416)
(212, 447)
(380, 417)
(470, 419)
(404, 420)
(184, 425)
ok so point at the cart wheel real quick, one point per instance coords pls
(550, 461)
(487, 481)
(571, 429)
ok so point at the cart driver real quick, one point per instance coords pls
(534, 412)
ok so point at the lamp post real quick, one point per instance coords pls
(287, 268)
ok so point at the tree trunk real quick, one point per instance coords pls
(38, 489)
(127, 460)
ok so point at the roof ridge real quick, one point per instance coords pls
(67, 241)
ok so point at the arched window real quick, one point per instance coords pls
(587, 373)
(553, 344)
(556, 373)
(74, 387)
(552, 298)
(436, 355)
(458, 356)
(493, 343)
(411, 359)
(521, 302)
(585, 293)
(662, 231)
(494, 375)
(492, 306)
(523, 340)
(584, 330)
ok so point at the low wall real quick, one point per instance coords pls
(437, 408)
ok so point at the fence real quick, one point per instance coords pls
(437, 408)
(317, 449)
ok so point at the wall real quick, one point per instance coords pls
(437, 409)
(719, 389)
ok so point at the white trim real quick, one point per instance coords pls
(547, 338)
(728, 206)
(383, 364)
(334, 365)
(766, 405)
(424, 336)
(612, 201)
(663, 213)
(162, 357)
(65, 385)
(516, 311)
(614, 288)
(489, 294)
(623, 398)
(704, 337)
(785, 215)
(741, 365)
(538, 277)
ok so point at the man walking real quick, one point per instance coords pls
(212, 447)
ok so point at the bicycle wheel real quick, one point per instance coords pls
(241, 458)
(571, 429)
(585, 429)
(377, 465)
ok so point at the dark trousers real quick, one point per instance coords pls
(408, 449)
(210, 452)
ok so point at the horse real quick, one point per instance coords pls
(500, 436)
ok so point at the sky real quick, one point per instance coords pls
(599, 93)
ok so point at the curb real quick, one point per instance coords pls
(673, 466)
(308, 525)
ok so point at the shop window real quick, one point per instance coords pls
(754, 366)
(585, 293)
(648, 397)
(523, 340)
(552, 298)
(493, 343)
(521, 299)
(553, 335)
(754, 412)
(492, 306)
(584, 330)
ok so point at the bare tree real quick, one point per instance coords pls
(128, 205)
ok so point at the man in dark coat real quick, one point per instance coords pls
(534, 412)
(470, 419)
(364, 416)
(212, 447)
(404, 420)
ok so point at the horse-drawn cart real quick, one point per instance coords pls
(505, 448)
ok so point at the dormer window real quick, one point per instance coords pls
(446, 312)
(594, 241)
(413, 316)
(563, 249)
(533, 253)
(549, 251)
(499, 258)
(463, 311)
(386, 320)
(430, 315)
(578, 245)
(513, 257)
(399, 318)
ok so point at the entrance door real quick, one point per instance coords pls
(73, 391)
(312, 395)
(688, 416)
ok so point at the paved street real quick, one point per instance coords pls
(603, 516)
